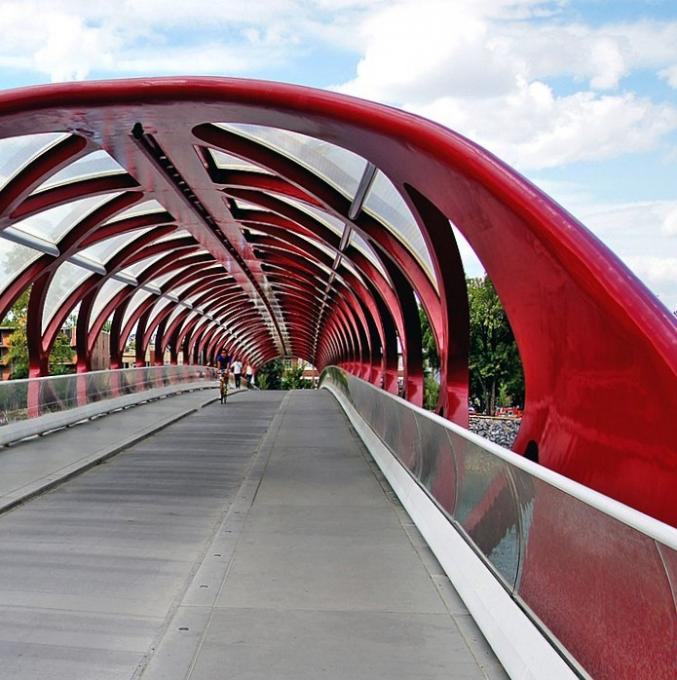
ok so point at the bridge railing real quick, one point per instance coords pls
(34, 405)
(596, 577)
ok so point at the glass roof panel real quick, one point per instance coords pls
(138, 298)
(247, 205)
(66, 279)
(348, 265)
(142, 265)
(17, 152)
(385, 203)
(159, 281)
(178, 290)
(143, 208)
(331, 252)
(359, 243)
(94, 164)
(191, 298)
(177, 233)
(158, 307)
(104, 296)
(224, 161)
(200, 323)
(53, 224)
(334, 223)
(14, 258)
(339, 167)
(175, 313)
(105, 250)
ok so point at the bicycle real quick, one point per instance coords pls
(223, 386)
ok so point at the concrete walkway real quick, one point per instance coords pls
(34, 465)
(255, 541)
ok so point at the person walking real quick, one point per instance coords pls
(249, 374)
(237, 372)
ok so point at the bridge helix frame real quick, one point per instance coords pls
(268, 220)
(264, 220)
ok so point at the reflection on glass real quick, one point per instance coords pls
(104, 250)
(53, 224)
(136, 300)
(225, 161)
(66, 279)
(103, 297)
(17, 152)
(95, 164)
(486, 508)
(59, 393)
(14, 258)
(143, 208)
(385, 203)
(335, 165)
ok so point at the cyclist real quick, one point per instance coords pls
(223, 385)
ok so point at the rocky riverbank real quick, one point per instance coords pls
(498, 430)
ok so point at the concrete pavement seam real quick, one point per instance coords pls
(255, 471)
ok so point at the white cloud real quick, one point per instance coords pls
(670, 75)
(670, 222)
(456, 63)
(71, 49)
(71, 39)
(642, 234)
(532, 128)
(659, 274)
(68, 40)
(414, 53)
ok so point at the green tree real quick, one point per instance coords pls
(495, 366)
(17, 356)
(431, 362)
(292, 379)
(269, 376)
(431, 358)
(61, 356)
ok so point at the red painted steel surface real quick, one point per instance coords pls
(599, 351)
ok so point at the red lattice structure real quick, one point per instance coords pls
(264, 220)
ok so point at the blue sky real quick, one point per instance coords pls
(580, 95)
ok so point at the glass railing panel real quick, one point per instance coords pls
(486, 507)
(400, 434)
(23, 399)
(594, 581)
(439, 475)
(598, 578)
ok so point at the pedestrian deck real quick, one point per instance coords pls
(251, 541)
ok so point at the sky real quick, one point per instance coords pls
(580, 96)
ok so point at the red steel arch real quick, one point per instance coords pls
(277, 253)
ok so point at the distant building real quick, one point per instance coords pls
(310, 373)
